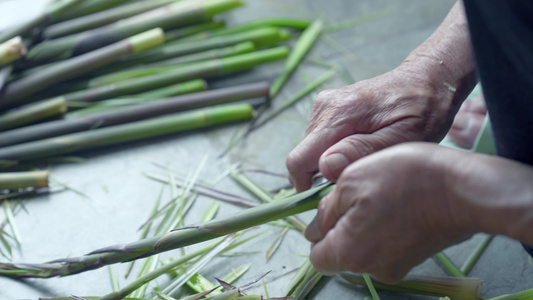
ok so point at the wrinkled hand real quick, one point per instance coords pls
(389, 212)
(353, 121)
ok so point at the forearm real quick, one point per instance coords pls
(495, 195)
(445, 59)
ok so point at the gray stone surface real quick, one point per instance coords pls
(64, 224)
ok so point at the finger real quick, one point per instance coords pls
(339, 156)
(330, 209)
(465, 129)
(338, 251)
(302, 161)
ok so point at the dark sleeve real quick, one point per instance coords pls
(502, 41)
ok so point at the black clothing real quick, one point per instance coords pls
(502, 41)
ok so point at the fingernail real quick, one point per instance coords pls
(336, 163)
(312, 233)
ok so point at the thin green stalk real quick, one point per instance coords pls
(11, 50)
(145, 229)
(371, 288)
(126, 132)
(297, 97)
(358, 20)
(87, 298)
(276, 243)
(173, 240)
(16, 91)
(169, 16)
(297, 24)
(199, 284)
(264, 196)
(210, 212)
(11, 221)
(132, 113)
(178, 282)
(101, 18)
(51, 13)
(465, 288)
(206, 191)
(32, 113)
(15, 180)
(476, 254)
(449, 265)
(303, 281)
(211, 248)
(113, 279)
(304, 44)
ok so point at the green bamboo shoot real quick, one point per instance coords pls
(171, 64)
(173, 240)
(51, 13)
(305, 42)
(17, 90)
(11, 50)
(32, 113)
(133, 113)
(204, 69)
(15, 180)
(270, 35)
(166, 17)
(101, 18)
(125, 133)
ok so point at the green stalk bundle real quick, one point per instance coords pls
(133, 113)
(32, 113)
(51, 13)
(88, 7)
(305, 42)
(270, 36)
(173, 240)
(125, 133)
(17, 90)
(170, 64)
(166, 17)
(464, 288)
(15, 180)
(11, 50)
(202, 69)
(101, 18)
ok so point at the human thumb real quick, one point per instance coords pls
(334, 160)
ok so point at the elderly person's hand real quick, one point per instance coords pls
(393, 209)
(414, 102)
(350, 122)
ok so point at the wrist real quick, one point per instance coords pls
(444, 61)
